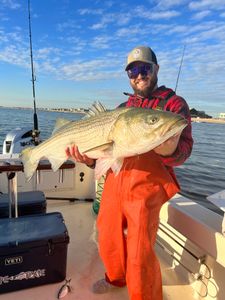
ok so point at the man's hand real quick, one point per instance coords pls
(168, 147)
(74, 153)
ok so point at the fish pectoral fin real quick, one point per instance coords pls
(103, 147)
(104, 164)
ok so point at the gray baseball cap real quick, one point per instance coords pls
(143, 54)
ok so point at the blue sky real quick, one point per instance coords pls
(80, 50)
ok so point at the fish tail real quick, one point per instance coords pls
(29, 165)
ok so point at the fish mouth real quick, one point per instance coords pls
(175, 128)
(178, 126)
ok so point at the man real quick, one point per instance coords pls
(131, 201)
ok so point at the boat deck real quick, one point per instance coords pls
(84, 265)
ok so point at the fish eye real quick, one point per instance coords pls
(152, 120)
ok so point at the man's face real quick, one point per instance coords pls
(143, 78)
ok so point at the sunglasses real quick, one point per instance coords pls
(144, 70)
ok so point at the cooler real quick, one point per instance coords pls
(33, 251)
(28, 203)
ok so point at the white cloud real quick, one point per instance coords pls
(87, 11)
(162, 4)
(201, 15)
(129, 32)
(98, 26)
(214, 33)
(152, 14)
(11, 37)
(3, 18)
(100, 42)
(207, 4)
(68, 25)
(3, 37)
(15, 56)
(164, 15)
(123, 18)
(10, 4)
(104, 21)
(119, 19)
(44, 53)
(98, 69)
(140, 13)
(48, 67)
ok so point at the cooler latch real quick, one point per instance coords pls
(50, 247)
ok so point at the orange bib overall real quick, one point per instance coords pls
(128, 221)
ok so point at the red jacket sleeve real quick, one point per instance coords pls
(178, 105)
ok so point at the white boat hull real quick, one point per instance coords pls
(72, 183)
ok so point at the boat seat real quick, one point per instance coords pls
(198, 224)
(218, 199)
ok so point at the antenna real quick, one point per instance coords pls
(35, 132)
(181, 62)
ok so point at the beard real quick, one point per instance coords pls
(146, 92)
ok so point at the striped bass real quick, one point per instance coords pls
(108, 136)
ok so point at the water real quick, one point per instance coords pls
(204, 171)
(202, 175)
(10, 118)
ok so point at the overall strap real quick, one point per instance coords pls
(163, 100)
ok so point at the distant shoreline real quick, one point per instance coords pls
(64, 110)
(83, 111)
(208, 120)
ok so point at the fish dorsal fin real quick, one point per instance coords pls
(96, 109)
(59, 124)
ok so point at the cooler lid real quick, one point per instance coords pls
(24, 198)
(34, 230)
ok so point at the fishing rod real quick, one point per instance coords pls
(181, 62)
(35, 132)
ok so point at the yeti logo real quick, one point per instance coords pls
(13, 260)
